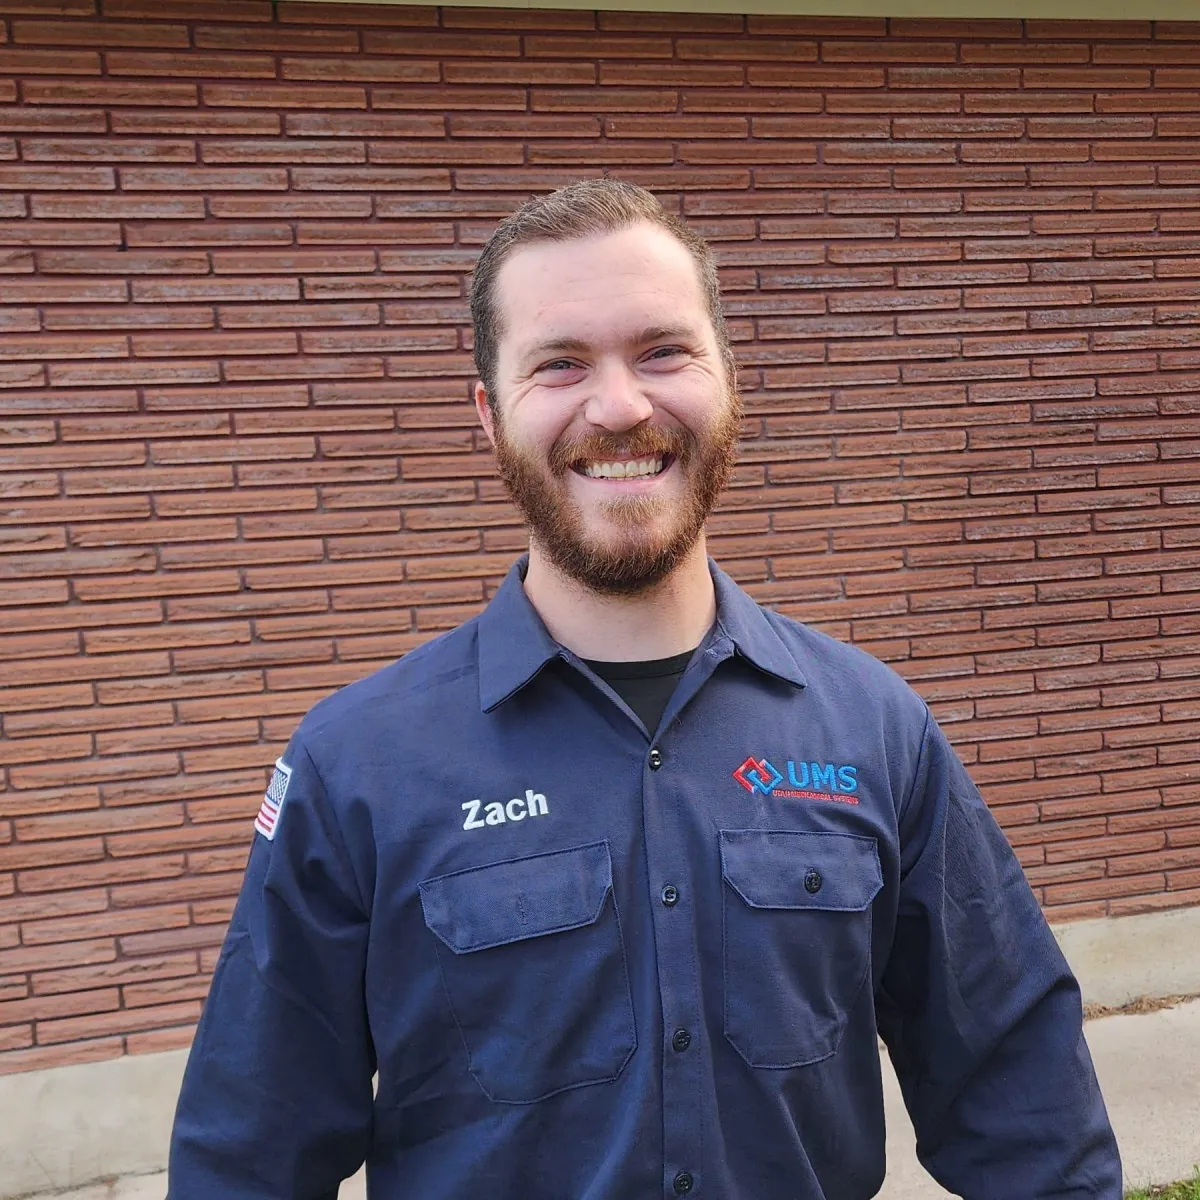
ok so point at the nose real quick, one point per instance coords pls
(617, 402)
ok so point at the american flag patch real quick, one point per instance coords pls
(268, 813)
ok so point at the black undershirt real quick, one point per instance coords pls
(646, 687)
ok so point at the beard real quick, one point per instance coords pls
(647, 537)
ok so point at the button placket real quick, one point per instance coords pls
(684, 1075)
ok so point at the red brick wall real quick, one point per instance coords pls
(240, 467)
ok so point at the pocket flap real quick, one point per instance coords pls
(522, 898)
(775, 869)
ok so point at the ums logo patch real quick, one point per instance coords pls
(803, 780)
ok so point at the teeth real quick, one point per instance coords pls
(632, 469)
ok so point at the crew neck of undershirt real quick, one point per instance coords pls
(651, 668)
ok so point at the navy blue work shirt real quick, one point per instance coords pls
(595, 961)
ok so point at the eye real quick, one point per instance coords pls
(558, 371)
(665, 354)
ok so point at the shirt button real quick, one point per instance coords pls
(681, 1040)
(656, 759)
(670, 895)
(682, 1183)
(812, 882)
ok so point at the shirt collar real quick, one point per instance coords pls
(751, 632)
(514, 644)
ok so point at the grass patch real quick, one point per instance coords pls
(1187, 1190)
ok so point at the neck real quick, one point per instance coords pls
(671, 618)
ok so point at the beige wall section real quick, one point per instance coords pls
(959, 10)
(1119, 959)
(68, 1126)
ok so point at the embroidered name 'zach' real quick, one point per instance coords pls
(532, 804)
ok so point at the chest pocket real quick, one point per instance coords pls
(797, 940)
(534, 966)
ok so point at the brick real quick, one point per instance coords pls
(514, 18)
(111, 92)
(582, 153)
(374, 124)
(105, 33)
(989, 78)
(111, 262)
(140, 179)
(47, 62)
(300, 315)
(747, 49)
(1024, 52)
(245, 37)
(19, 700)
(354, 14)
(359, 70)
(34, 750)
(673, 23)
(277, 96)
(379, 232)
(199, 122)
(51, 120)
(888, 51)
(276, 151)
(57, 178)
(523, 72)
(1090, 78)
(603, 47)
(550, 100)
(1027, 102)
(369, 179)
(487, 126)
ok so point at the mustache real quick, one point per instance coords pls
(644, 441)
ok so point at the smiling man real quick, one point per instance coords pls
(616, 886)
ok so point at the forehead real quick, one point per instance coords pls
(593, 286)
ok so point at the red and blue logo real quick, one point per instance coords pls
(804, 780)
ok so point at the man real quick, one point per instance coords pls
(616, 885)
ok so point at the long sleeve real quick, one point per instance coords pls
(980, 1012)
(276, 1101)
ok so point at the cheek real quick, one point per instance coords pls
(540, 418)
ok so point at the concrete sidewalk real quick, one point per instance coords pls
(1149, 1067)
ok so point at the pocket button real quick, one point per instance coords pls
(812, 882)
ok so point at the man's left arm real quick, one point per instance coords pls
(981, 1013)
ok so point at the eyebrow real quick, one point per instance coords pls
(652, 333)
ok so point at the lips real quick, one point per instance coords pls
(643, 453)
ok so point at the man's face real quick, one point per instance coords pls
(615, 425)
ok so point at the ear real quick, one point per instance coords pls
(484, 408)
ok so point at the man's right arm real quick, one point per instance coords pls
(276, 1101)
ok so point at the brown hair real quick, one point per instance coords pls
(587, 208)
